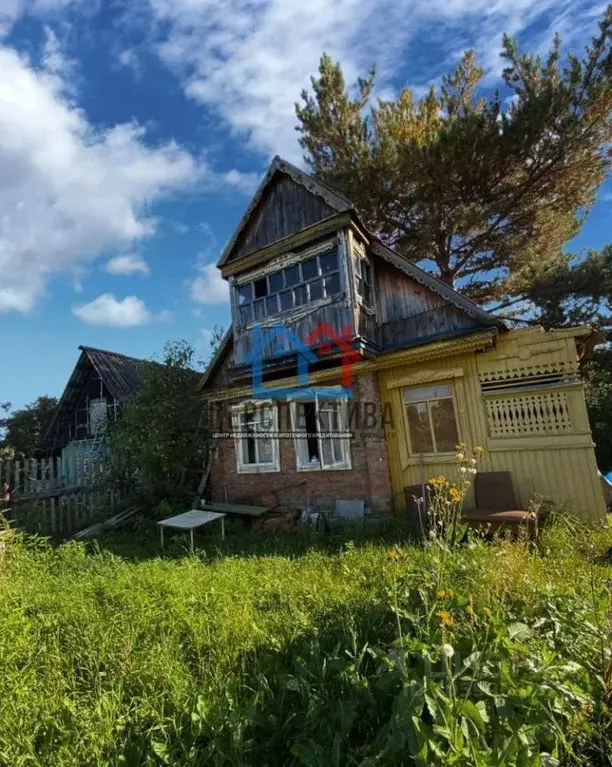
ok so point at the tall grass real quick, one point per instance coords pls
(306, 651)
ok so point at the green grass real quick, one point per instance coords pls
(302, 650)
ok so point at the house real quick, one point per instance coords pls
(100, 382)
(427, 369)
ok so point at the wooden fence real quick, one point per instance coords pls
(55, 496)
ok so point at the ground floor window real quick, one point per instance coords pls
(256, 429)
(324, 444)
(432, 422)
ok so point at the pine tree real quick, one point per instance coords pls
(489, 191)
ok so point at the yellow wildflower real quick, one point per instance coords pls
(455, 494)
(445, 594)
(446, 619)
(393, 554)
(478, 450)
(437, 481)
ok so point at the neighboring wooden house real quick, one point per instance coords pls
(431, 369)
(100, 382)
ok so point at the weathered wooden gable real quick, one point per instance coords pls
(285, 208)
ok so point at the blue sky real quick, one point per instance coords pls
(132, 135)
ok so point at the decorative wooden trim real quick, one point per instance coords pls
(425, 377)
(287, 259)
(293, 241)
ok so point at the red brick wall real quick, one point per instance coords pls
(368, 479)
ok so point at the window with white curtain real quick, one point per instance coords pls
(322, 442)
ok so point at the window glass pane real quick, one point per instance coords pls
(292, 275)
(316, 290)
(248, 443)
(332, 285)
(286, 300)
(271, 305)
(428, 392)
(259, 309)
(420, 431)
(328, 262)
(367, 294)
(245, 293)
(444, 425)
(326, 448)
(246, 313)
(338, 450)
(275, 281)
(299, 295)
(366, 272)
(261, 287)
(248, 450)
(265, 418)
(264, 449)
(309, 269)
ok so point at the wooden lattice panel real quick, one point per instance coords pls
(546, 413)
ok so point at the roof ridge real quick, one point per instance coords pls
(107, 351)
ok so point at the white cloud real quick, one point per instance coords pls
(130, 263)
(251, 62)
(69, 192)
(107, 310)
(129, 59)
(209, 287)
(11, 10)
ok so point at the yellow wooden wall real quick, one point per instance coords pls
(557, 465)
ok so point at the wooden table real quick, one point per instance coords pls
(189, 520)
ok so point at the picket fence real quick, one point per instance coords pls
(56, 496)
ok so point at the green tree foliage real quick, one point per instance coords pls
(156, 441)
(574, 290)
(486, 189)
(597, 374)
(21, 431)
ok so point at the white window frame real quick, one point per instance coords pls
(452, 397)
(343, 465)
(237, 412)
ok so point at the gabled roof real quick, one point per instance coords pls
(278, 165)
(121, 375)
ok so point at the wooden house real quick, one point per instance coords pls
(100, 382)
(429, 369)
